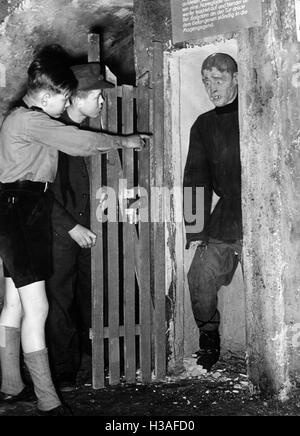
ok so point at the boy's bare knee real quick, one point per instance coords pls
(38, 313)
(13, 307)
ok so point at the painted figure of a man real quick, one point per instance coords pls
(213, 163)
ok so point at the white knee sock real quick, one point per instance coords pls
(10, 360)
(38, 366)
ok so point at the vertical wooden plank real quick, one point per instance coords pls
(97, 252)
(175, 265)
(129, 242)
(159, 227)
(97, 281)
(114, 173)
(143, 125)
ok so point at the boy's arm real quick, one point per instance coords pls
(71, 140)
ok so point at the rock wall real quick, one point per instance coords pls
(270, 145)
(28, 24)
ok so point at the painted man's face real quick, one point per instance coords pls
(221, 87)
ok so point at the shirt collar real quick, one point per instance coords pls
(229, 108)
(34, 108)
(65, 118)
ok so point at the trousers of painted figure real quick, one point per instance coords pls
(213, 266)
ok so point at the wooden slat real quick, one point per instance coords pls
(159, 228)
(136, 249)
(120, 91)
(143, 249)
(137, 330)
(97, 253)
(97, 281)
(113, 175)
(128, 244)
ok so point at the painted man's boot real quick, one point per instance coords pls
(209, 352)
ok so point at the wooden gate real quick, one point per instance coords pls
(128, 326)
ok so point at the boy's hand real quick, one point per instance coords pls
(84, 237)
(137, 142)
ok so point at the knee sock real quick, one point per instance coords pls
(38, 366)
(10, 338)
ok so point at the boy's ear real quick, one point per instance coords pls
(236, 77)
(77, 101)
(45, 98)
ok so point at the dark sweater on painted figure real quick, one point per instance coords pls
(213, 162)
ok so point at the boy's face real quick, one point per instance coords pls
(91, 105)
(54, 104)
(221, 87)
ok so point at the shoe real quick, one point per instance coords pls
(61, 410)
(25, 396)
(66, 382)
(67, 386)
(209, 352)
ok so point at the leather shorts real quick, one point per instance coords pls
(25, 234)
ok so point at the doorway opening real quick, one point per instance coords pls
(187, 99)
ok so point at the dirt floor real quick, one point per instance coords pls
(223, 392)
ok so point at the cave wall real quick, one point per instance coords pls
(29, 24)
(270, 108)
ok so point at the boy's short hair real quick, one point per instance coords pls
(221, 61)
(48, 72)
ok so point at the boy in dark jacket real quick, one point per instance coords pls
(69, 288)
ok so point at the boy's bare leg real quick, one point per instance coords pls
(10, 321)
(35, 309)
(11, 314)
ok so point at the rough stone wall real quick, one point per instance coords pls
(27, 24)
(270, 145)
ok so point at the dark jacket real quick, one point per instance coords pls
(213, 162)
(71, 191)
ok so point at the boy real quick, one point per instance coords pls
(30, 138)
(69, 288)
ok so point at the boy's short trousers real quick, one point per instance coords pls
(25, 235)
